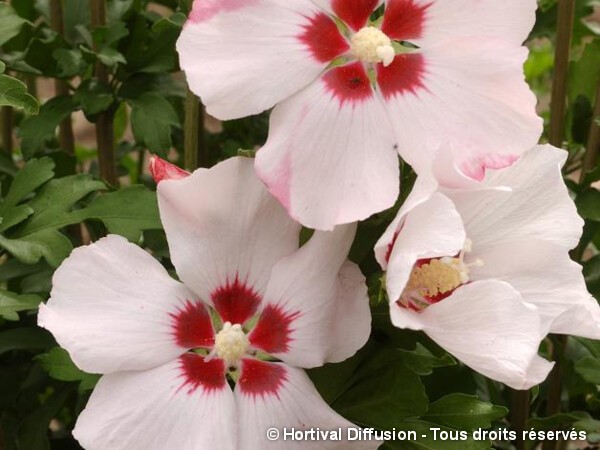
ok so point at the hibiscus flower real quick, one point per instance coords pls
(354, 82)
(252, 308)
(485, 271)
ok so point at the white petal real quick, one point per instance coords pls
(295, 404)
(473, 96)
(222, 225)
(538, 206)
(111, 307)
(155, 410)
(488, 326)
(303, 298)
(329, 159)
(510, 20)
(244, 56)
(422, 190)
(545, 276)
(432, 229)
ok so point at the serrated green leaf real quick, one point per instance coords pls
(14, 215)
(151, 120)
(34, 131)
(14, 93)
(94, 97)
(463, 412)
(10, 23)
(60, 366)
(111, 57)
(52, 245)
(35, 173)
(12, 303)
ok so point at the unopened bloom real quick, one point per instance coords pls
(485, 271)
(251, 309)
(354, 82)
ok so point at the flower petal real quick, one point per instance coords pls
(546, 277)
(294, 403)
(538, 205)
(354, 13)
(510, 20)
(330, 157)
(488, 326)
(473, 97)
(159, 409)
(302, 298)
(225, 233)
(113, 307)
(432, 229)
(244, 56)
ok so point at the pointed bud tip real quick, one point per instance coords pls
(164, 170)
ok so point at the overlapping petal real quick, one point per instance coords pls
(244, 56)
(112, 307)
(487, 326)
(474, 97)
(223, 226)
(305, 292)
(295, 404)
(159, 409)
(331, 153)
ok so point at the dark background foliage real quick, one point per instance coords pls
(89, 88)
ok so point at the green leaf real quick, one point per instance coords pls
(464, 412)
(49, 244)
(589, 369)
(30, 338)
(14, 93)
(382, 384)
(422, 361)
(111, 57)
(69, 62)
(588, 204)
(126, 212)
(35, 173)
(151, 119)
(12, 303)
(94, 97)
(10, 23)
(427, 439)
(36, 130)
(60, 366)
(591, 272)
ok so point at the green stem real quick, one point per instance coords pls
(564, 33)
(193, 152)
(7, 129)
(104, 124)
(519, 414)
(590, 159)
(65, 131)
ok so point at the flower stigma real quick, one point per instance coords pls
(231, 343)
(435, 279)
(371, 45)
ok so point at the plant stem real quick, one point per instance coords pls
(564, 33)
(590, 159)
(555, 385)
(195, 152)
(65, 130)
(104, 124)
(519, 414)
(7, 129)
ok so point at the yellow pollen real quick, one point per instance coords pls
(231, 343)
(438, 276)
(371, 45)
